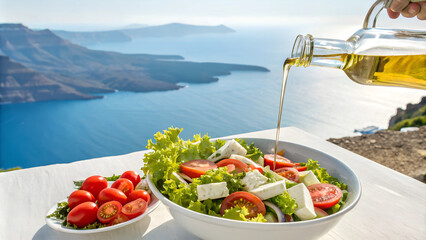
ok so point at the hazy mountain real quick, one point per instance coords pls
(134, 25)
(134, 32)
(91, 71)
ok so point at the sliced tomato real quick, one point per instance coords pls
(134, 208)
(109, 211)
(253, 204)
(280, 163)
(111, 194)
(299, 168)
(119, 219)
(239, 166)
(320, 213)
(133, 176)
(288, 172)
(94, 185)
(83, 214)
(80, 196)
(324, 195)
(196, 168)
(258, 168)
(230, 167)
(139, 194)
(124, 185)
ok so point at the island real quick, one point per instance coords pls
(49, 60)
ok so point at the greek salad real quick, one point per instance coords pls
(233, 179)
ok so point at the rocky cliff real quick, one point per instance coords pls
(21, 84)
(414, 115)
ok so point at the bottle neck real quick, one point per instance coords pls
(322, 52)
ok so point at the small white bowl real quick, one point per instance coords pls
(210, 227)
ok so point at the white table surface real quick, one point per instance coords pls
(392, 205)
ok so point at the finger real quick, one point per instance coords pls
(393, 15)
(411, 10)
(422, 13)
(399, 5)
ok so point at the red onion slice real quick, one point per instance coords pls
(277, 210)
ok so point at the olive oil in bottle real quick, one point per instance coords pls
(405, 70)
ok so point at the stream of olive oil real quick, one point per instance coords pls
(286, 68)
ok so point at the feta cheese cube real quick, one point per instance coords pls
(253, 179)
(305, 207)
(308, 178)
(212, 191)
(269, 190)
(230, 147)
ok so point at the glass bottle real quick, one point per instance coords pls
(375, 56)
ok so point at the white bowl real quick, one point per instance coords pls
(210, 227)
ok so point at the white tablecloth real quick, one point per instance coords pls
(392, 206)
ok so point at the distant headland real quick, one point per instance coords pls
(41, 66)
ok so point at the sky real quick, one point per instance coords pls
(114, 13)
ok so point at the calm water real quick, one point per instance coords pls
(321, 101)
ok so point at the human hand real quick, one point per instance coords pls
(407, 9)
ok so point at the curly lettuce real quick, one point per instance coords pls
(284, 201)
(322, 174)
(240, 213)
(169, 151)
(253, 152)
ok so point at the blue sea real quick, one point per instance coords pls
(323, 102)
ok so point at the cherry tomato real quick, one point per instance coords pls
(239, 166)
(80, 196)
(320, 213)
(139, 194)
(196, 168)
(108, 211)
(253, 204)
(324, 195)
(111, 194)
(132, 176)
(83, 214)
(280, 163)
(288, 172)
(120, 219)
(258, 168)
(124, 185)
(94, 185)
(134, 208)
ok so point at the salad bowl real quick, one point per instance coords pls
(211, 227)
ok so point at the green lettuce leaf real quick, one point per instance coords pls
(322, 174)
(169, 151)
(253, 152)
(239, 213)
(284, 201)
